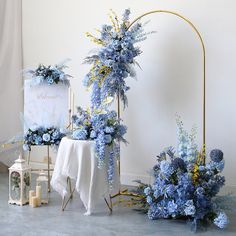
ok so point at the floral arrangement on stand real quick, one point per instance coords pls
(105, 129)
(49, 74)
(42, 136)
(113, 62)
(185, 186)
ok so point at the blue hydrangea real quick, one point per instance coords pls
(221, 220)
(189, 208)
(80, 134)
(109, 130)
(172, 207)
(166, 168)
(216, 155)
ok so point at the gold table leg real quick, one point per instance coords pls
(64, 204)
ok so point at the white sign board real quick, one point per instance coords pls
(45, 105)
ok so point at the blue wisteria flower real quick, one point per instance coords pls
(114, 61)
(105, 129)
(42, 136)
(49, 74)
(185, 186)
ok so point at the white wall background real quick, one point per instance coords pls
(11, 93)
(171, 76)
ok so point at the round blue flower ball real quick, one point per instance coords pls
(216, 155)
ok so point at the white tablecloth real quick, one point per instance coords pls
(76, 159)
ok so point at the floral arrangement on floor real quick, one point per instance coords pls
(49, 74)
(105, 129)
(113, 62)
(185, 186)
(42, 136)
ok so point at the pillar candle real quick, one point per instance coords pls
(34, 201)
(39, 194)
(31, 194)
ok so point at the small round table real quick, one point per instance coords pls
(76, 159)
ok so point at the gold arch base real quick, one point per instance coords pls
(126, 192)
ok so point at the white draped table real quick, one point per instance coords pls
(76, 159)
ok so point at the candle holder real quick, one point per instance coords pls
(42, 181)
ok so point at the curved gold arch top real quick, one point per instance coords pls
(203, 58)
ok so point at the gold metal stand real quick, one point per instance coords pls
(126, 192)
(64, 201)
(48, 169)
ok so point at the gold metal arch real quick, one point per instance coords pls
(126, 192)
(203, 62)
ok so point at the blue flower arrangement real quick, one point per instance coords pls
(105, 129)
(184, 186)
(42, 136)
(49, 74)
(113, 62)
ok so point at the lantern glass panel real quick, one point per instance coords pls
(15, 186)
(26, 185)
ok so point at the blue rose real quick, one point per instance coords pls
(26, 147)
(46, 137)
(38, 140)
(55, 134)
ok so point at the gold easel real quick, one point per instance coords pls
(126, 192)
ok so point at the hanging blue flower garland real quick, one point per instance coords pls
(114, 60)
